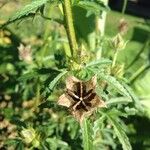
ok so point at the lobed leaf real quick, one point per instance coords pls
(120, 133)
(134, 97)
(33, 6)
(115, 83)
(25, 11)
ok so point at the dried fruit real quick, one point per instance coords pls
(118, 43)
(80, 97)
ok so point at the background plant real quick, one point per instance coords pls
(30, 89)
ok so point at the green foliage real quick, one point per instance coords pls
(29, 90)
(120, 133)
(87, 135)
(115, 83)
(26, 11)
(98, 63)
(56, 80)
(118, 100)
(93, 6)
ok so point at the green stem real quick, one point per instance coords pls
(70, 27)
(124, 6)
(115, 58)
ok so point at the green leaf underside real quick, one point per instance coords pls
(87, 135)
(120, 133)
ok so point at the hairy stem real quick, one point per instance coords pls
(70, 27)
(115, 58)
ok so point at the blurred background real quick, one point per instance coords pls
(41, 46)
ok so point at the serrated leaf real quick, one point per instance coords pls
(25, 11)
(33, 6)
(115, 83)
(87, 135)
(134, 97)
(120, 133)
(97, 63)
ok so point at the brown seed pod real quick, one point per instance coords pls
(80, 97)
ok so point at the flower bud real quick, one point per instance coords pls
(28, 135)
(118, 71)
(118, 42)
(123, 26)
(25, 53)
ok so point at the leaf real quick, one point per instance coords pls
(134, 97)
(44, 71)
(37, 72)
(51, 82)
(120, 133)
(94, 7)
(87, 135)
(26, 10)
(28, 76)
(115, 83)
(98, 125)
(47, 104)
(20, 146)
(33, 6)
(98, 62)
(18, 122)
(56, 79)
(10, 142)
(55, 143)
(118, 100)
